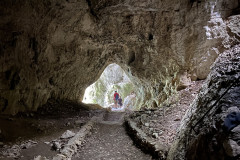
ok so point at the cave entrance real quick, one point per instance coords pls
(102, 91)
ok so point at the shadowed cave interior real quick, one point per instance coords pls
(175, 64)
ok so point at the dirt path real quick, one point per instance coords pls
(109, 141)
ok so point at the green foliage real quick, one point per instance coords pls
(127, 89)
(104, 88)
(117, 86)
(100, 89)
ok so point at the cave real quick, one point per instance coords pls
(182, 57)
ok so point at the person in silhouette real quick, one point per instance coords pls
(120, 101)
(116, 97)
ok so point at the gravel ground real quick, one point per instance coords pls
(109, 141)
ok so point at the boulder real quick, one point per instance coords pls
(67, 134)
(231, 148)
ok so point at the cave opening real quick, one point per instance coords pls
(112, 79)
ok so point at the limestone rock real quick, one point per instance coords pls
(232, 148)
(184, 81)
(218, 97)
(40, 158)
(78, 122)
(193, 76)
(56, 146)
(28, 144)
(60, 55)
(67, 134)
(155, 135)
(13, 152)
(236, 134)
(232, 109)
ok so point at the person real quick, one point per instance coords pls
(120, 101)
(116, 96)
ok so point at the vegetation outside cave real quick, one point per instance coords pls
(112, 79)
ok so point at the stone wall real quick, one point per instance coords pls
(56, 48)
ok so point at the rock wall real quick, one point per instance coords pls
(204, 134)
(56, 48)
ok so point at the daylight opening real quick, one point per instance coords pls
(112, 80)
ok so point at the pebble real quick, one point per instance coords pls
(40, 158)
(154, 121)
(56, 145)
(10, 119)
(155, 135)
(146, 124)
(67, 134)
(28, 144)
(177, 119)
(78, 122)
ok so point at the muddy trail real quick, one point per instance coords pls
(109, 141)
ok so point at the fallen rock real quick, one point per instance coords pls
(236, 133)
(28, 144)
(71, 147)
(79, 122)
(231, 148)
(193, 76)
(60, 157)
(56, 146)
(12, 152)
(184, 81)
(155, 135)
(177, 119)
(233, 109)
(47, 143)
(40, 158)
(10, 119)
(67, 134)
